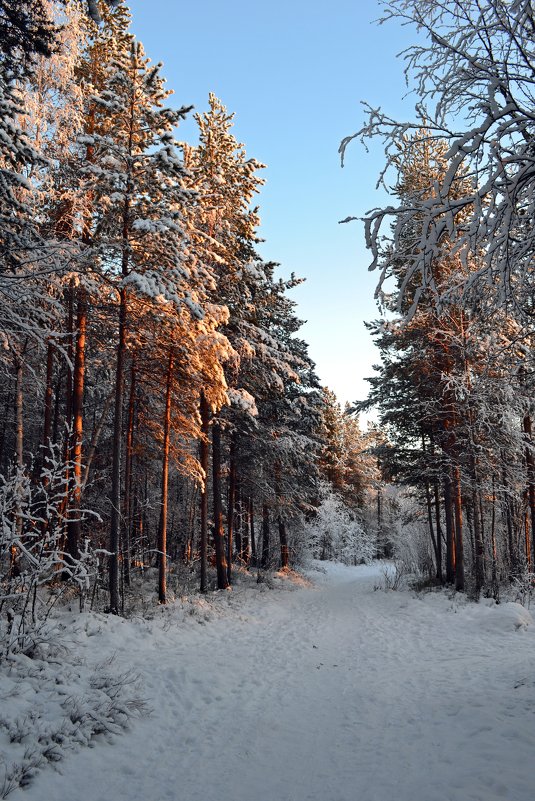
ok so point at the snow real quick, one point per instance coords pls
(331, 689)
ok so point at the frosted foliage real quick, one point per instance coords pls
(337, 534)
(242, 400)
(32, 515)
(474, 70)
(135, 176)
(408, 533)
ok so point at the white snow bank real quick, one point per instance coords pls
(336, 693)
(502, 617)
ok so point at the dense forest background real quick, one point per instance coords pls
(158, 406)
(158, 409)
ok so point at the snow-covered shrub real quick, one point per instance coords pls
(57, 704)
(524, 586)
(297, 530)
(336, 533)
(409, 535)
(34, 570)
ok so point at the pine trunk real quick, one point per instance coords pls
(527, 548)
(478, 544)
(252, 538)
(74, 523)
(162, 539)
(231, 511)
(508, 515)
(283, 537)
(530, 465)
(430, 523)
(19, 416)
(115, 497)
(439, 534)
(129, 456)
(203, 455)
(243, 527)
(264, 561)
(459, 551)
(219, 535)
(19, 453)
(95, 437)
(49, 394)
(494, 548)
(450, 534)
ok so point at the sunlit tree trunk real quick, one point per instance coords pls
(203, 448)
(231, 509)
(219, 535)
(129, 455)
(69, 296)
(74, 522)
(162, 538)
(70, 354)
(115, 496)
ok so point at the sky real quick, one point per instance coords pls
(295, 73)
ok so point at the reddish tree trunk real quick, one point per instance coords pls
(219, 536)
(162, 539)
(74, 522)
(231, 511)
(115, 495)
(203, 448)
(129, 455)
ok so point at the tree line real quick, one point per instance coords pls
(157, 402)
(454, 250)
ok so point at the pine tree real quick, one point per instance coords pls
(135, 179)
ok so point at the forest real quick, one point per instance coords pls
(169, 456)
(159, 410)
(158, 406)
(454, 253)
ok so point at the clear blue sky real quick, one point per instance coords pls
(294, 73)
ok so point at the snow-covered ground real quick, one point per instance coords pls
(328, 692)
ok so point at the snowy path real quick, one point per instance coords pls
(330, 693)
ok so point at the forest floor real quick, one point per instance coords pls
(328, 690)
